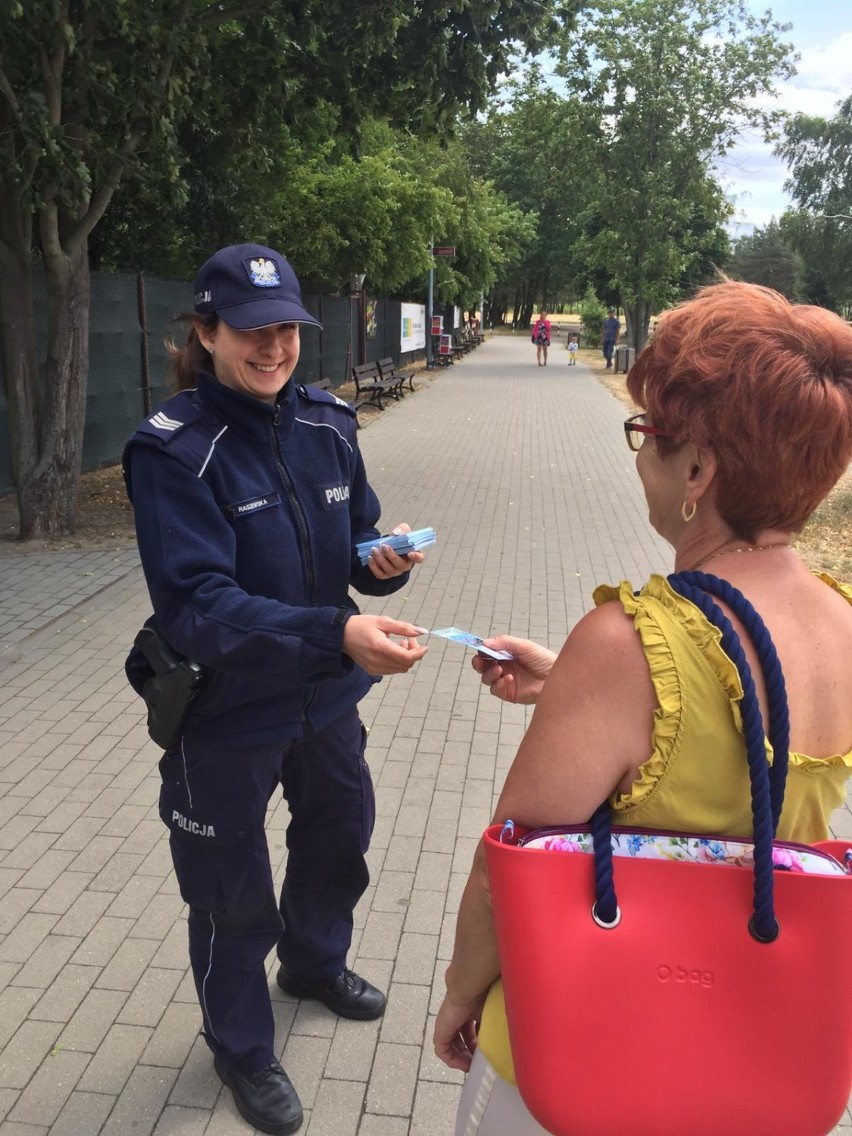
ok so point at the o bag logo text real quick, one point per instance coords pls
(686, 976)
(333, 496)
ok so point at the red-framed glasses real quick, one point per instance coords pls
(636, 429)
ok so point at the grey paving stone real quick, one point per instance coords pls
(394, 1079)
(82, 1114)
(100, 944)
(128, 964)
(405, 1018)
(92, 1020)
(61, 896)
(29, 1047)
(434, 1109)
(46, 1094)
(117, 1057)
(16, 903)
(415, 959)
(150, 998)
(177, 1121)
(350, 1057)
(84, 911)
(141, 1102)
(175, 1035)
(61, 999)
(197, 1085)
(383, 1125)
(7, 1100)
(46, 961)
(337, 1109)
(16, 1002)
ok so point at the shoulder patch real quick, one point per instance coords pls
(315, 394)
(182, 427)
(171, 417)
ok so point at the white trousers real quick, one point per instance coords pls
(490, 1106)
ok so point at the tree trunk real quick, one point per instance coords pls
(638, 318)
(18, 339)
(50, 458)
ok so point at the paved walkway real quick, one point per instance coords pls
(524, 473)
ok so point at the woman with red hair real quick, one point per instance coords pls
(746, 425)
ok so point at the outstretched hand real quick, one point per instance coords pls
(367, 640)
(519, 679)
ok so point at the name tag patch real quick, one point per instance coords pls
(254, 505)
(334, 496)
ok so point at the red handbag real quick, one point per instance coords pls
(650, 997)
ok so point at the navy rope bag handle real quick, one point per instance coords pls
(767, 786)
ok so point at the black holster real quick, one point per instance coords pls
(171, 690)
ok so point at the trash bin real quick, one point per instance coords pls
(624, 357)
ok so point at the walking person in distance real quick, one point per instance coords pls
(541, 338)
(611, 329)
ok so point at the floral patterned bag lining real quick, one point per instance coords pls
(786, 857)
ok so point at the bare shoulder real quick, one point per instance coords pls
(602, 666)
(605, 637)
(592, 725)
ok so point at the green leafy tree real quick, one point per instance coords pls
(765, 257)
(527, 147)
(592, 314)
(823, 248)
(663, 87)
(91, 90)
(819, 154)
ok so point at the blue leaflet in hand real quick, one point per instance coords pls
(468, 639)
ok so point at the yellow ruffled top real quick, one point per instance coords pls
(696, 778)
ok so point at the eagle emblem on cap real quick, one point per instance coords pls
(263, 272)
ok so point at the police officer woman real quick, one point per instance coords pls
(250, 495)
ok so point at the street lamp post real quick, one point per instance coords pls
(430, 303)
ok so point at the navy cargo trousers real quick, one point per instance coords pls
(214, 800)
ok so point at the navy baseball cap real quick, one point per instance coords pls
(250, 286)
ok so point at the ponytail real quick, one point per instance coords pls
(193, 357)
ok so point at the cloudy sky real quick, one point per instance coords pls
(822, 32)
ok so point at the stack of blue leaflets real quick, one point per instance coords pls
(402, 544)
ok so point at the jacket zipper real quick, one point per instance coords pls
(301, 525)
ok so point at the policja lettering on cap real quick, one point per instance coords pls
(250, 286)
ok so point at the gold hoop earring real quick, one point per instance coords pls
(688, 517)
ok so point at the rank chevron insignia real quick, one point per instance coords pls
(162, 422)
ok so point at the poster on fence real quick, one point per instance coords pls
(412, 336)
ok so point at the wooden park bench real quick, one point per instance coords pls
(371, 389)
(461, 344)
(387, 370)
(443, 354)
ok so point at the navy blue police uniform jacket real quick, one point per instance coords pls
(247, 516)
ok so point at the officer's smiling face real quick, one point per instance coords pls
(256, 362)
